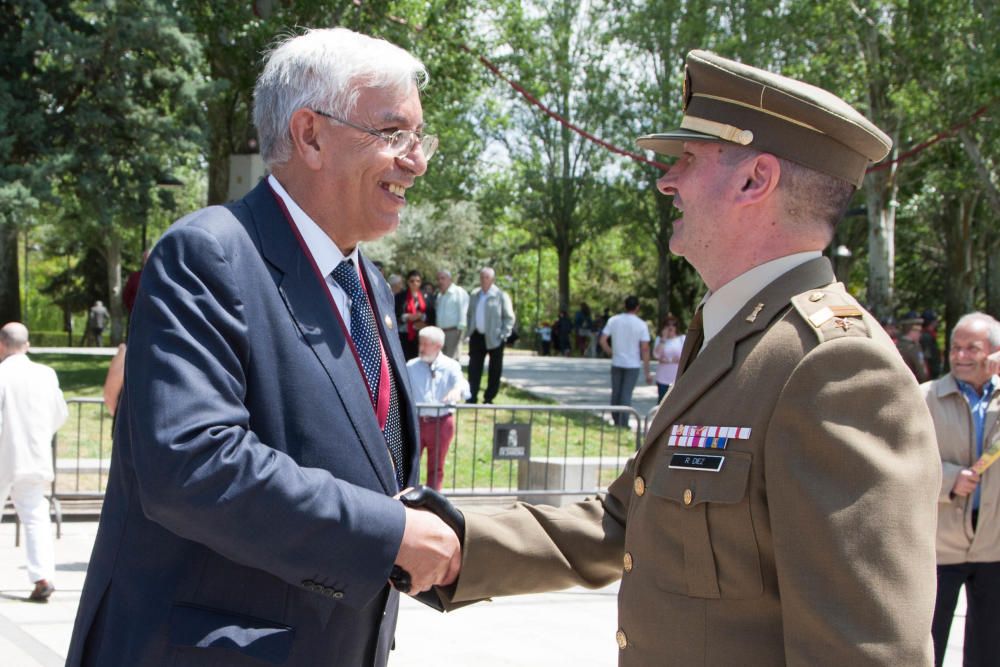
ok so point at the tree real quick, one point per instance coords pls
(32, 125)
(135, 116)
(559, 171)
(432, 237)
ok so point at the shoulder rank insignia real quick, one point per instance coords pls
(836, 313)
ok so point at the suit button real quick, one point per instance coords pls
(640, 486)
(337, 595)
(628, 562)
(688, 496)
(621, 639)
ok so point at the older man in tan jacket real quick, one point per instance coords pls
(965, 405)
(782, 508)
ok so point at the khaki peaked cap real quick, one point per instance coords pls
(729, 102)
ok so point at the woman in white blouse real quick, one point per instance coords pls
(667, 352)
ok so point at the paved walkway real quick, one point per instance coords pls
(574, 627)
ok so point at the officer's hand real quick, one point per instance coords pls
(430, 551)
(966, 483)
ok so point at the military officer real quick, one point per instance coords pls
(909, 346)
(782, 508)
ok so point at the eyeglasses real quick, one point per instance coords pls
(400, 142)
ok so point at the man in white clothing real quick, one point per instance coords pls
(436, 378)
(452, 307)
(31, 410)
(630, 342)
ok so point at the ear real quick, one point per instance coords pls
(304, 129)
(760, 177)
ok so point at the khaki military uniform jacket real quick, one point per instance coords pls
(813, 544)
(956, 541)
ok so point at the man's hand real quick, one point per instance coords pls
(966, 483)
(993, 363)
(430, 551)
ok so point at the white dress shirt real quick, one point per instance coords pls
(451, 308)
(324, 251)
(481, 307)
(720, 306)
(432, 382)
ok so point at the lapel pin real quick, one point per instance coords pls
(752, 317)
(388, 322)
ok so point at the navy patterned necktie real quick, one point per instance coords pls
(364, 332)
(363, 328)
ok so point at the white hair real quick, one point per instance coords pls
(433, 334)
(991, 324)
(324, 69)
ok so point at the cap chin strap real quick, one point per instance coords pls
(721, 130)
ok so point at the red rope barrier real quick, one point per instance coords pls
(521, 90)
(552, 114)
(930, 142)
(906, 155)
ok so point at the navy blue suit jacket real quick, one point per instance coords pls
(248, 517)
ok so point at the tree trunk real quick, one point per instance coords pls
(956, 222)
(664, 229)
(113, 253)
(992, 280)
(880, 198)
(565, 253)
(10, 283)
(220, 113)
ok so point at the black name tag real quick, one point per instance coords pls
(709, 463)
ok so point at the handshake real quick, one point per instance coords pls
(431, 551)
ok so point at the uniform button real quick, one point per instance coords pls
(688, 496)
(621, 639)
(816, 296)
(640, 486)
(628, 562)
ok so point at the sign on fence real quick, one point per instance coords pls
(511, 441)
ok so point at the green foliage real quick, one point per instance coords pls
(432, 237)
(100, 101)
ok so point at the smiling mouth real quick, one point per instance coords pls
(396, 189)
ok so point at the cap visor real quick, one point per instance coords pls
(671, 143)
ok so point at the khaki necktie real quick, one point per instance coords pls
(692, 342)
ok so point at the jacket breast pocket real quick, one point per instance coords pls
(711, 518)
(203, 628)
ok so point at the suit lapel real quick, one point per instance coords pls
(309, 306)
(719, 355)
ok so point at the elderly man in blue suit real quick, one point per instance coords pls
(266, 422)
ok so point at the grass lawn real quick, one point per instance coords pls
(556, 434)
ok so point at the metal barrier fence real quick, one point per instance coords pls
(83, 451)
(542, 453)
(557, 453)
